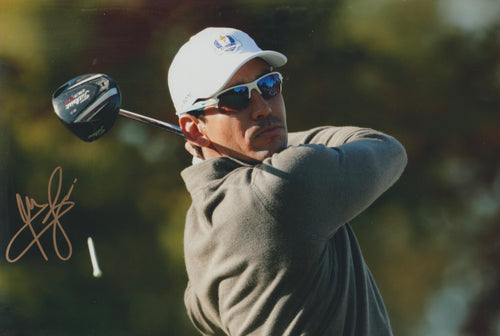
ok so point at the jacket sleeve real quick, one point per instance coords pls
(327, 176)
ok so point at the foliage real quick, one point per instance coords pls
(414, 69)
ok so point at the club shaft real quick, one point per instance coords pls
(153, 122)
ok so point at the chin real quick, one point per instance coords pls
(261, 151)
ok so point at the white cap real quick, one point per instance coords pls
(205, 64)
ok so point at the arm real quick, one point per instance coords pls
(330, 136)
(328, 176)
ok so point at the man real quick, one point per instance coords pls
(267, 246)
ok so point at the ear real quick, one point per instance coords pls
(193, 129)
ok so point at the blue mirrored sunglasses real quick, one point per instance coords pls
(238, 97)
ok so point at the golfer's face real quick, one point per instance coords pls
(254, 133)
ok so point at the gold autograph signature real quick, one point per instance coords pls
(30, 210)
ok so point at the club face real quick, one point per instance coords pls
(88, 105)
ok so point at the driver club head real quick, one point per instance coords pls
(88, 105)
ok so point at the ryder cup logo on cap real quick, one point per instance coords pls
(226, 43)
(205, 64)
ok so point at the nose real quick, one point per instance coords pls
(260, 106)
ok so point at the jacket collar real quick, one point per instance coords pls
(202, 173)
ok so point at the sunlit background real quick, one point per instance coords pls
(425, 71)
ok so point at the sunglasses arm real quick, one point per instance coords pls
(203, 104)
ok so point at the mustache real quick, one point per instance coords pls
(270, 121)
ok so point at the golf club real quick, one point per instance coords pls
(89, 104)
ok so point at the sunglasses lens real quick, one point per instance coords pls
(236, 98)
(270, 86)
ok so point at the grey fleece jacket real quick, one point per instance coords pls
(268, 250)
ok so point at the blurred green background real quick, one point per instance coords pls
(425, 71)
